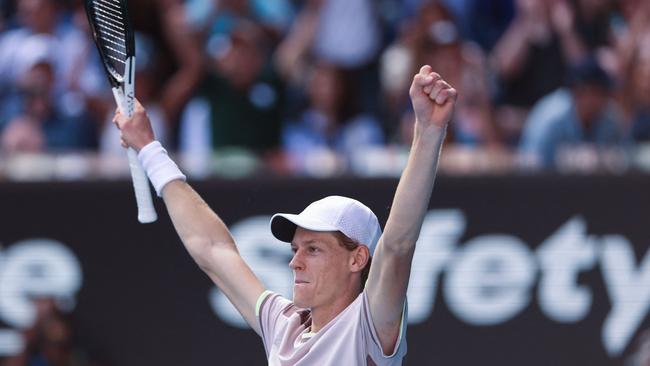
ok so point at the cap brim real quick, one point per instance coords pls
(283, 226)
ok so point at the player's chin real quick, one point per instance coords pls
(300, 297)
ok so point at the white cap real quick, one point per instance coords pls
(332, 213)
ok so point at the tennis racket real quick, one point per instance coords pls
(111, 29)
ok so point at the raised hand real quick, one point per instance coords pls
(135, 132)
(433, 99)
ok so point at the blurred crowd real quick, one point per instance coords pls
(50, 340)
(303, 87)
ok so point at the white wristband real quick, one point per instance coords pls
(160, 168)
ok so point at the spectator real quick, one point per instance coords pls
(480, 21)
(68, 54)
(239, 103)
(531, 58)
(433, 38)
(581, 114)
(345, 34)
(333, 120)
(32, 120)
(330, 122)
(465, 65)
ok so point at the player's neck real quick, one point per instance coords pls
(322, 315)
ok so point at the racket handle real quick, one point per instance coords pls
(146, 210)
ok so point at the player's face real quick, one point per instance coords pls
(321, 269)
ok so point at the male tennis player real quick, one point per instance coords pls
(333, 319)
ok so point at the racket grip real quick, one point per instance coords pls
(146, 210)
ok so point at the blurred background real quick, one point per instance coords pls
(278, 102)
(320, 87)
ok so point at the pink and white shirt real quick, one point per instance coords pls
(349, 339)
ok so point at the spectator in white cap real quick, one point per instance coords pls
(333, 318)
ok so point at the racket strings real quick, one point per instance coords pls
(110, 28)
(103, 9)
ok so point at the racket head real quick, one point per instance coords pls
(113, 34)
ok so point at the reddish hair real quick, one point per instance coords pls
(351, 244)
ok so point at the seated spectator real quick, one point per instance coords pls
(331, 121)
(31, 120)
(581, 114)
(74, 76)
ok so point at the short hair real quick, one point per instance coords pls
(350, 244)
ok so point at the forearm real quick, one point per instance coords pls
(290, 57)
(511, 52)
(414, 191)
(199, 228)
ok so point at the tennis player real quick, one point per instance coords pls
(337, 316)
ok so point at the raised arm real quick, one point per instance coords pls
(204, 235)
(187, 52)
(433, 102)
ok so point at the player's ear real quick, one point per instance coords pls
(359, 257)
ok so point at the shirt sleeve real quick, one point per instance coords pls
(375, 351)
(268, 311)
